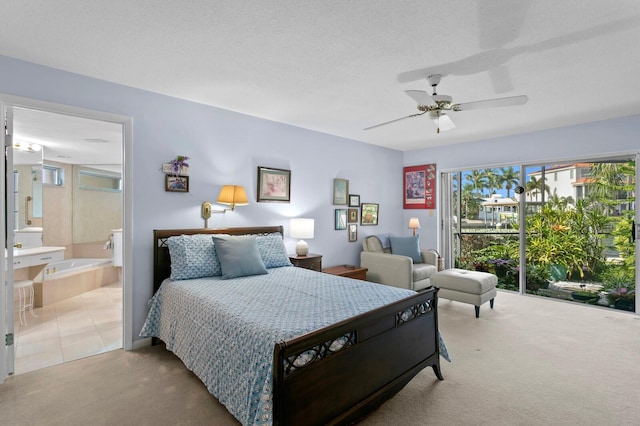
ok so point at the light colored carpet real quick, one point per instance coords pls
(530, 361)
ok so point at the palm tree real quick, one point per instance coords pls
(561, 202)
(534, 186)
(493, 180)
(467, 199)
(612, 184)
(478, 180)
(510, 178)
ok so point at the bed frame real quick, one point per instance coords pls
(341, 373)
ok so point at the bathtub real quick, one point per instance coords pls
(67, 267)
(72, 277)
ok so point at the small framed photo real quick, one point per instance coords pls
(340, 192)
(369, 214)
(354, 200)
(353, 216)
(274, 185)
(353, 233)
(176, 183)
(341, 219)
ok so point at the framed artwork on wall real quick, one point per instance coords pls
(353, 233)
(353, 216)
(274, 184)
(369, 214)
(341, 219)
(419, 184)
(354, 200)
(176, 183)
(340, 192)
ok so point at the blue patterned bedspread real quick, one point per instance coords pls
(225, 330)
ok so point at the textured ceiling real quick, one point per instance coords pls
(340, 66)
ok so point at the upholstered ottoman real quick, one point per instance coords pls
(465, 286)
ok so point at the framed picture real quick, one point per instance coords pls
(353, 233)
(274, 185)
(341, 219)
(176, 183)
(354, 200)
(340, 192)
(419, 184)
(369, 214)
(353, 216)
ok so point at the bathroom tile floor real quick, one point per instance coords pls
(75, 328)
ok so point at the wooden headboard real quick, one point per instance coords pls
(162, 260)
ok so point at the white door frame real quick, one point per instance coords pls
(8, 101)
(6, 274)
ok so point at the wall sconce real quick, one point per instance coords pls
(301, 228)
(414, 223)
(230, 195)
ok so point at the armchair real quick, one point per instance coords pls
(396, 270)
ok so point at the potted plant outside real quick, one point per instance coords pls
(584, 295)
(622, 298)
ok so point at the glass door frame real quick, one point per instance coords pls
(448, 210)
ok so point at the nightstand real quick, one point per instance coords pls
(310, 261)
(348, 271)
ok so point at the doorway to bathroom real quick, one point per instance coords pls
(76, 193)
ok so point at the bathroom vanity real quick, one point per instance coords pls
(36, 256)
(28, 264)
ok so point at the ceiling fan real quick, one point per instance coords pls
(435, 105)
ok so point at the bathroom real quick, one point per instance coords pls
(76, 207)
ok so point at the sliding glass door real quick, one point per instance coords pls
(562, 230)
(580, 244)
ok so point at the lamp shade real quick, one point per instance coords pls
(233, 195)
(414, 224)
(301, 228)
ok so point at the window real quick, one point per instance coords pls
(98, 181)
(53, 176)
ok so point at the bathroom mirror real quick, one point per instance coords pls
(27, 172)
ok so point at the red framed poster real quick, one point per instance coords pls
(419, 187)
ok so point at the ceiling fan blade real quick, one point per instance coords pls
(421, 97)
(492, 103)
(443, 122)
(393, 121)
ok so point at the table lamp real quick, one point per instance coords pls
(414, 224)
(301, 228)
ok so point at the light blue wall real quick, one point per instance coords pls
(579, 142)
(225, 148)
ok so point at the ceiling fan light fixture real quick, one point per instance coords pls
(442, 121)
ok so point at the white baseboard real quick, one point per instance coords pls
(141, 343)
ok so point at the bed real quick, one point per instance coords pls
(290, 346)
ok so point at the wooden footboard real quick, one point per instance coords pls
(339, 374)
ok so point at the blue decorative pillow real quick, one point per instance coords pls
(239, 256)
(193, 256)
(406, 246)
(272, 250)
